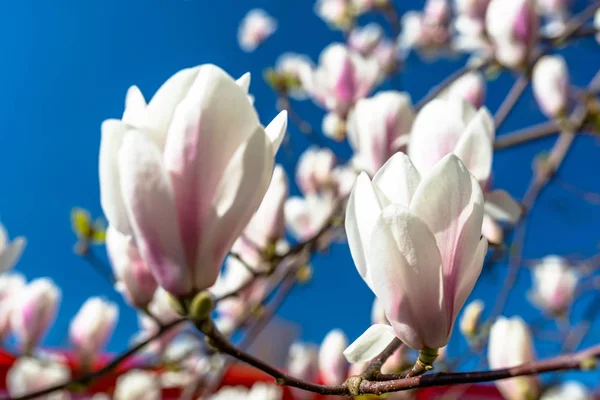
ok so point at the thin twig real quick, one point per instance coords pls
(511, 100)
(528, 134)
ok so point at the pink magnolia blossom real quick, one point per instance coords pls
(342, 77)
(510, 344)
(135, 280)
(305, 216)
(267, 224)
(183, 174)
(551, 85)
(10, 252)
(333, 366)
(138, 384)
(554, 283)
(255, 28)
(296, 67)
(29, 375)
(378, 127)
(303, 363)
(470, 19)
(513, 29)
(556, 14)
(415, 240)
(93, 326)
(470, 87)
(314, 171)
(34, 311)
(436, 12)
(337, 13)
(10, 286)
(386, 54)
(365, 39)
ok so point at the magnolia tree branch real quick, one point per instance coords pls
(535, 132)
(511, 100)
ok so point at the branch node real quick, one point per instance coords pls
(353, 385)
(588, 364)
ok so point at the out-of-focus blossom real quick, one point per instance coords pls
(513, 28)
(571, 390)
(10, 252)
(267, 225)
(510, 344)
(183, 177)
(337, 13)
(551, 85)
(362, 6)
(333, 367)
(436, 12)
(427, 30)
(92, 326)
(344, 176)
(470, 87)
(386, 54)
(469, 323)
(554, 283)
(334, 127)
(597, 24)
(470, 24)
(10, 286)
(305, 216)
(378, 127)
(29, 375)
(137, 385)
(34, 310)
(293, 72)
(134, 279)
(365, 39)
(314, 170)
(303, 363)
(258, 391)
(255, 28)
(160, 309)
(416, 243)
(341, 78)
(556, 14)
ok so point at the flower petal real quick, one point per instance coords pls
(370, 344)
(450, 201)
(398, 179)
(406, 272)
(276, 130)
(10, 255)
(475, 147)
(469, 275)
(244, 184)
(361, 215)
(208, 127)
(244, 82)
(502, 207)
(150, 204)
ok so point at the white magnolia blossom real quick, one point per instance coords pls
(11, 285)
(314, 171)
(93, 326)
(183, 174)
(333, 367)
(550, 82)
(365, 39)
(415, 240)
(258, 391)
(303, 363)
(336, 13)
(10, 251)
(305, 216)
(138, 385)
(554, 284)
(29, 375)
(571, 390)
(255, 28)
(470, 87)
(510, 344)
(299, 69)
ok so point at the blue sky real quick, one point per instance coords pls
(67, 67)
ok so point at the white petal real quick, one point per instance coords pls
(150, 204)
(469, 275)
(135, 105)
(398, 179)
(244, 82)
(502, 207)
(370, 344)
(11, 253)
(475, 147)
(361, 215)
(3, 237)
(276, 130)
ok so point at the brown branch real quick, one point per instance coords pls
(374, 367)
(528, 134)
(577, 22)
(511, 100)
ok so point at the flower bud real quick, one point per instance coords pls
(296, 71)
(92, 326)
(314, 170)
(470, 87)
(30, 375)
(365, 39)
(336, 13)
(10, 252)
(551, 85)
(138, 385)
(10, 286)
(571, 390)
(334, 127)
(333, 366)
(255, 28)
(469, 323)
(554, 283)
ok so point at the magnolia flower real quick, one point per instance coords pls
(314, 171)
(512, 25)
(341, 78)
(344, 177)
(183, 175)
(426, 30)
(436, 12)
(597, 24)
(378, 312)
(453, 125)
(469, 87)
(93, 325)
(135, 280)
(554, 283)
(258, 391)
(303, 363)
(137, 385)
(34, 310)
(416, 243)
(469, 323)
(267, 225)
(255, 28)
(305, 216)
(413, 31)
(333, 366)
(296, 71)
(386, 54)
(334, 127)
(510, 344)
(571, 390)
(10, 287)
(556, 13)
(30, 375)
(551, 85)
(470, 20)
(378, 127)
(365, 39)
(10, 252)
(336, 13)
